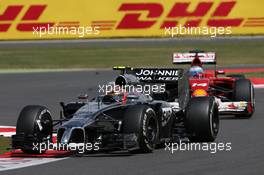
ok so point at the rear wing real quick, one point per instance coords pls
(152, 75)
(187, 57)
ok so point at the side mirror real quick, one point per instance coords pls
(220, 72)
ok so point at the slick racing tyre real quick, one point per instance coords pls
(35, 123)
(202, 120)
(142, 121)
(244, 91)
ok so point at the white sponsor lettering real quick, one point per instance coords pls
(199, 84)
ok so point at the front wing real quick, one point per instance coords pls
(240, 107)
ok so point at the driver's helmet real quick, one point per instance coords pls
(196, 71)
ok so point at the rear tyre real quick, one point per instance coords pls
(202, 120)
(142, 121)
(244, 91)
(35, 123)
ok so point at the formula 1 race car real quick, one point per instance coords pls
(234, 93)
(125, 120)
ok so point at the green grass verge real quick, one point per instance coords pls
(229, 52)
(4, 144)
(253, 74)
(250, 75)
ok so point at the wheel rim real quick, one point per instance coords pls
(44, 126)
(151, 131)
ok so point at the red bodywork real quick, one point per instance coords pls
(210, 79)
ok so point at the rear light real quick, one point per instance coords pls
(199, 93)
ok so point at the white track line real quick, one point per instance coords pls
(21, 162)
(128, 40)
(2, 126)
(15, 163)
(7, 134)
(259, 86)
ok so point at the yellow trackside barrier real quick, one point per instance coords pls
(55, 19)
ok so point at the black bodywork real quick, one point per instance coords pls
(104, 124)
(114, 123)
(101, 120)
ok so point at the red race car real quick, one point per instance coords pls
(234, 94)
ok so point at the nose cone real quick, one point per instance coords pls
(71, 135)
(66, 136)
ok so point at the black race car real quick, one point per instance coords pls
(127, 120)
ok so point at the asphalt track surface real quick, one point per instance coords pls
(246, 135)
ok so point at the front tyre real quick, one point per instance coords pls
(244, 91)
(142, 121)
(35, 124)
